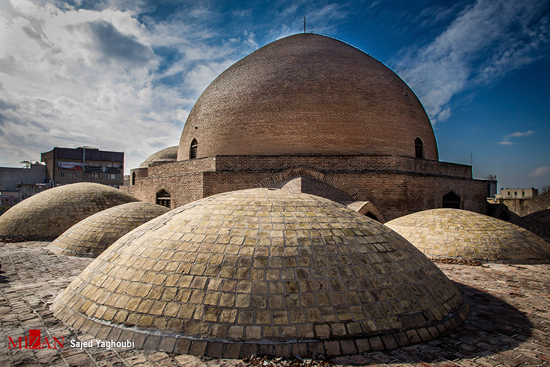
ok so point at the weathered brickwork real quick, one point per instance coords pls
(263, 271)
(304, 95)
(169, 154)
(51, 212)
(91, 236)
(454, 233)
(395, 185)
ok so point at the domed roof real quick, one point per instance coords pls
(307, 94)
(90, 237)
(456, 233)
(261, 271)
(169, 154)
(51, 212)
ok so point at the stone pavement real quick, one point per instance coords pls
(509, 324)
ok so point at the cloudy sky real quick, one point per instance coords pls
(123, 74)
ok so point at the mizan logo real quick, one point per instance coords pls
(35, 341)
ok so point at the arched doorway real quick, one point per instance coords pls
(164, 199)
(451, 200)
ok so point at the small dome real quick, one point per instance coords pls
(307, 94)
(90, 237)
(169, 154)
(455, 233)
(262, 271)
(51, 212)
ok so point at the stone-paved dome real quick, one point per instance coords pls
(51, 212)
(455, 233)
(94, 234)
(262, 271)
(307, 94)
(169, 154)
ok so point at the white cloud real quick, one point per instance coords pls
(506, 34)
(67, 84)
(520, 134)
(541, 171)
(91, 77)
(517, 134)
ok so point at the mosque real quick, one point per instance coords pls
(311, 114)
(258, 257)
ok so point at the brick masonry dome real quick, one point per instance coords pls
(169, 154)
(455, 233)
(262, 271)
(51, 212)
(90, 237)
(307, 94)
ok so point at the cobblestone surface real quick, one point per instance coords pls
(509, 323)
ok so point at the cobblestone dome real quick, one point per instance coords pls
(307, 94)
(262, 271)
(169, 154)
(462, 234)
(94, 234)
(50, 213)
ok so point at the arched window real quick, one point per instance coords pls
(419, 148)
(451, 200)
(133, 179)
(193, 150)
(163, 198)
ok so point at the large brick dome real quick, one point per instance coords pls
(262, 271)
(307, 94)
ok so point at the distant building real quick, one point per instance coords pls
(517, 193)
(491, 185)
(18, 183)
(84, 164)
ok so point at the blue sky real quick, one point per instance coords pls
(123, 74)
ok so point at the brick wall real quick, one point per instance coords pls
(395, 185)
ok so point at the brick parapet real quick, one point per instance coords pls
(343, 163)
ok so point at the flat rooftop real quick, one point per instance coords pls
(508, 325)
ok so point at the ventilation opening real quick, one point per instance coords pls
(164, 199)
(372, 216)
(419, 148)
(451, 200)
(504, 216)
(193, 149)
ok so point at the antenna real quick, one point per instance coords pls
(304, 24)
(472, 163)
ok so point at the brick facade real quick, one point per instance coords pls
(395, 185)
